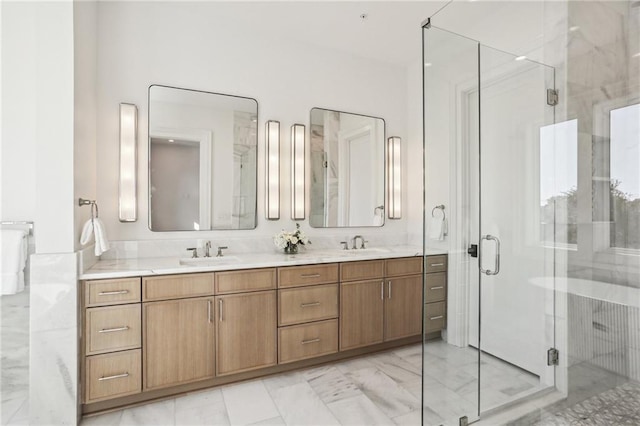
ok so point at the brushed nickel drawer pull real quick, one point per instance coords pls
(111, 293)
(308, 305)
(220, 305)
(209, 306)
(117, 376)
(382, 290)
(306, 342)
(111, 330)
(389, 289)
(309, 275)
(437, 264)
(438, 317)
(437, 288)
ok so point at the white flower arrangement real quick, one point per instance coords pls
(289, 241)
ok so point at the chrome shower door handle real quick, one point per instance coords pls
(496, 268)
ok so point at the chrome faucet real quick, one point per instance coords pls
(207, 249)
(355, 240)
(220, 254)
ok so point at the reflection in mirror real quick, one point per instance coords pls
(202, 160)
(347, 169)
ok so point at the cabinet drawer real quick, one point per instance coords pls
(436, 287)
(113, 375)
(436, 264)
(307, 304)
(295, 276)
(113, 328)
(360, 271)
(177, 286)
(249, 280)
(434, 317)
(112, 292)
(307, 341)
(403, 266)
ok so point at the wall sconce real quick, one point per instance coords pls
(394, 173)
(297, 172)
(128, 203)
(272, 136)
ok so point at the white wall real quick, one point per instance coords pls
(85, 22)
(37, 130)
(140, 44)
(18, 168)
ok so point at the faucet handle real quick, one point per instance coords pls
(345, 245)
(220, 248)
(194, 252)
(362, 246)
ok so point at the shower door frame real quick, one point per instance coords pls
(462, 266)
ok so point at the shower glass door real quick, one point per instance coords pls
(516, 259)
(490, 157)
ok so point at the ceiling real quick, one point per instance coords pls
(391, 30)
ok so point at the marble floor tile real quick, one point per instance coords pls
(108, 419)
(332, 385)
(383, 391)
(202, 408)
(156, 414)
(236, 397)
(358, 410)
(397, 368)
(300, 405)
(410, 419)
(276, 421)
(278, 381)
(354, 364)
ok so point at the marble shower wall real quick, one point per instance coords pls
(600, 69)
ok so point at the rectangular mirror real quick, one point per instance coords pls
(202, 160)
(347, 169)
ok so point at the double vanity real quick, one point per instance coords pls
(172, 329)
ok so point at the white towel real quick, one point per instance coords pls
(95, 227)
(14, 258)
(437, 228)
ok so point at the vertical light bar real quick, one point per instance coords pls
(297, 171)
(272, 197)
(394, 172)
(128, 203)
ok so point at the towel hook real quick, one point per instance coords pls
(92, 203)
(439, 207)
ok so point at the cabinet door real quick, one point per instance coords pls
(246, 333)
(361, 311)
(179, 345)
(403, 307)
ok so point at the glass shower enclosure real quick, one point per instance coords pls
(492, 154)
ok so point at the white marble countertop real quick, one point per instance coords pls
(121, 268)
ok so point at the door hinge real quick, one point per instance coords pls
(553, 357)
(552, 97)
(464, 421)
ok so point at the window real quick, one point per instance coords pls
(559, 182)
(624, 184)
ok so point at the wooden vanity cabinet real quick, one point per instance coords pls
(403, 307)
(178, 343)
(246, 331)
(361, 313)
(435, 295)
(378, 310)
(110, 354)
(156, 336)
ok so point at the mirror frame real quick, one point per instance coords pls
(255, 222)
(384, 169)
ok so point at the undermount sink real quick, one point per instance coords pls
(208, 261)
